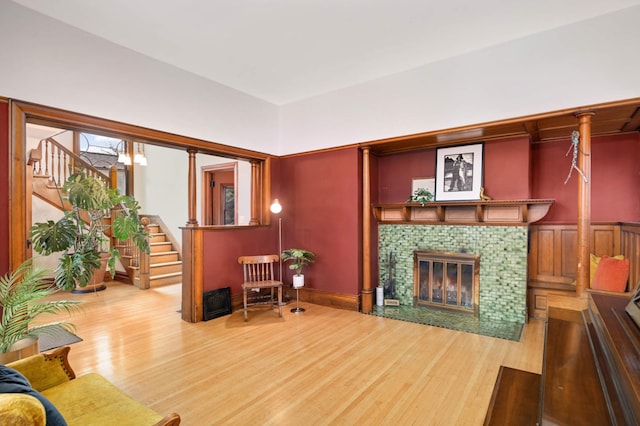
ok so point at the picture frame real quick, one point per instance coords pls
(426, 183)
(459, 172)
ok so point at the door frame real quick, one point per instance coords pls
(206, 172)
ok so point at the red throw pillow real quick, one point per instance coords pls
(611, 274)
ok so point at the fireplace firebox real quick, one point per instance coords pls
(446, 280)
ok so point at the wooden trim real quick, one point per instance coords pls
(192, 273)
(310, 295)
(266, 192)
(256, 178)
(19, 213)
(325, 298)
(507, 212)
(490, 130)
(584, 201)
(630, 247)
(41, 114)
(367, 291)
(207, 199)
(192, 191)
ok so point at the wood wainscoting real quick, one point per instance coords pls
(553, 265)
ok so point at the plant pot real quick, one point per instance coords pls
(298, 281)
(21, 349)
(97, 281)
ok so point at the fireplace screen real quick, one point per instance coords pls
(448, 280)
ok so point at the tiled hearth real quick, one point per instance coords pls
(451, 320)
(503, 268)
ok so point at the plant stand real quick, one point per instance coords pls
(297, 309)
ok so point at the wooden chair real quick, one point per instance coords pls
(258, 274)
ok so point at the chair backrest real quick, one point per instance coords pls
(258, 268)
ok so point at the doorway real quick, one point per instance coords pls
(219, 203)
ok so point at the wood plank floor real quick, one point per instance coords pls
(325, 366)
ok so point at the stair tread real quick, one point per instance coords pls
(172, 274)
(160, 253)
(174, 262)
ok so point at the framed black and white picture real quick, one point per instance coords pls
(459, 172)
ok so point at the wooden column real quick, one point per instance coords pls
(19, 192)
(367, 292)
(192, 221)
(255, 201)
(584, 201)
(192, 273)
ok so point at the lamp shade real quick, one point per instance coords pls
(276, 207)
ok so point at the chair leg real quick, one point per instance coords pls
(272, 297)
(280, 301)
(244, 299)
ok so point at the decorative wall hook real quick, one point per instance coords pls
(575, 145)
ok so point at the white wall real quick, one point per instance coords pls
(54, 64)
(161, 186)
(47, 62)
(588, 62)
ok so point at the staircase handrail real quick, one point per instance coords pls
(67, 162)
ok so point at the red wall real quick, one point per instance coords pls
(4, 188)
(507, 163)
(321, 199)
(615, 179)
(515, 169)
(506, 171)
(222, 248)
(395, 173)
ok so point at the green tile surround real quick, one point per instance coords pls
(503, 262)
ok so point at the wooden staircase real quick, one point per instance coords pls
(165, 264)
(162, 266)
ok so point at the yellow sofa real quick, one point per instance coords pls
(86, 400)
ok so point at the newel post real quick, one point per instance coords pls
(113, 177)
(144, 259)
(584, 201)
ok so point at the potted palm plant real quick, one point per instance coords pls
(81, 235)
(298, 259)
(23, 295)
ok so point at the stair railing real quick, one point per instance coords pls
(137, 260)
(52, 159)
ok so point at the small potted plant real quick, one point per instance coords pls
(420, 195)
(81, 234)
(23, 294)
(298, 258)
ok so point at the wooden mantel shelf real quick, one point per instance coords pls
(492, 212)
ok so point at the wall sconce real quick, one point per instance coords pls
(123, 155)
(140, 157)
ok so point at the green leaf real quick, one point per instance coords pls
(76, 268)
(51, 237)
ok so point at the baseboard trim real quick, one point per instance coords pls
(310, 295)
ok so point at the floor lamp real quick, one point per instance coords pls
(276, 208)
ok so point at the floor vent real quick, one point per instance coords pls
(216, 303)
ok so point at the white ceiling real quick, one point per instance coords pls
(287, 50)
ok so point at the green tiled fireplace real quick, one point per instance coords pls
(503, 262)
